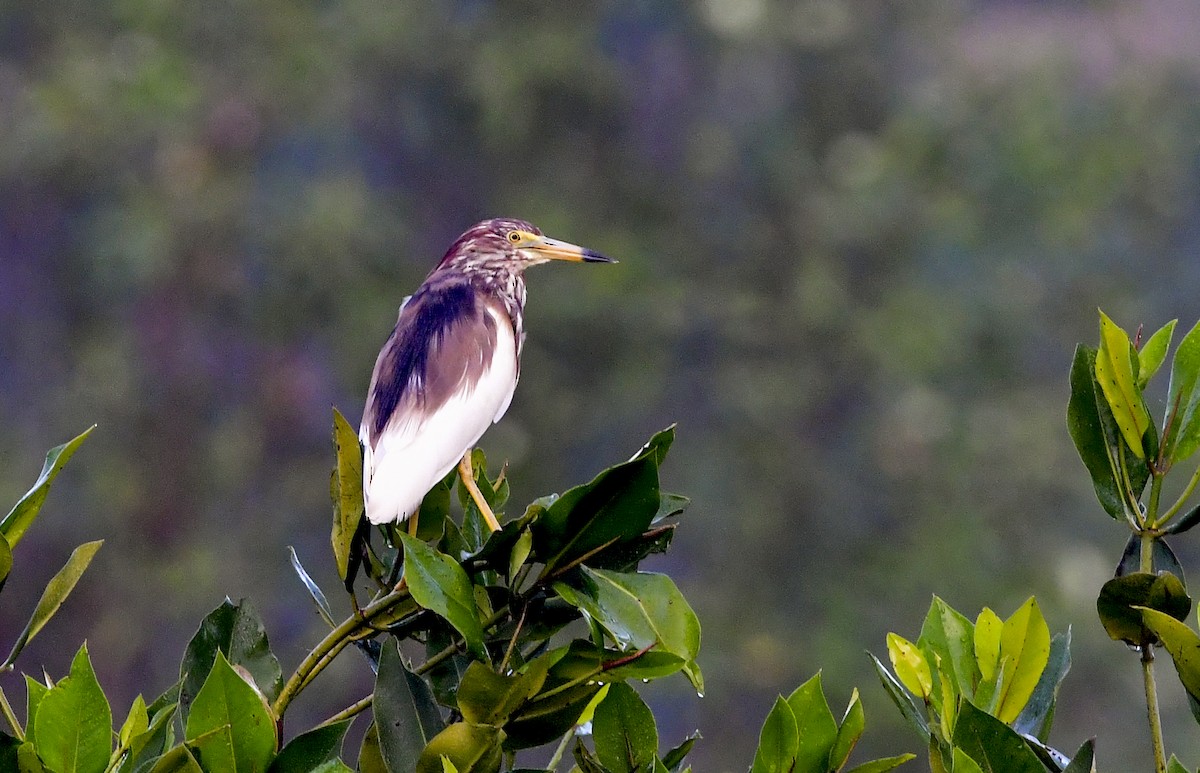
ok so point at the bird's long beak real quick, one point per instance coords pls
(553, 249)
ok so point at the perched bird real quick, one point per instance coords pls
(450, 366)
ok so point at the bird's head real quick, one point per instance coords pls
(507, 245)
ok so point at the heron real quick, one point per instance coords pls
(450, 366)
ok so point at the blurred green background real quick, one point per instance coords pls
(859, 240)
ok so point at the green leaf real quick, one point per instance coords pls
(34, 692)
(370, 758)
(1084, 760)
(406, 715)
(912, 669)
(673, 760)
(1035, 718)
(778, 741)
(1025, 650)
(470, 749)
(136, 723)
(1186, 522)
(438, 583)
(152, 742)
(995, 746)
(585, 761)
(6, 562)
(309, 751)
(1121, 599)
(639, 610)
(882, 765)
(1086, 425)
(550, 714)
(617, 505)
(582, 659)
(55, 593)
(8, 751)
(964, 764)
(817, 727)
(178, 760)
(346, 489)
(901, 697)
(1114, 372)
(487, 698)
(854, 721)
(988, 628)
(670, 505)
(520, 552)
(74, 722)
(1183, 645)
(13, 527)
(1153, 353)
(230, 725)
(1173, 766)
(951, 637)
(314, 590)
(1183, 398)
(237, 632)
(624, 731)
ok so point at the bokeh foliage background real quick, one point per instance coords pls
(858, 243)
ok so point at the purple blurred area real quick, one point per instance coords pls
(858, 243)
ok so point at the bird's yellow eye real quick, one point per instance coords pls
(514, 236)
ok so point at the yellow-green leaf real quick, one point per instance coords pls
(910, 666)
(14, 524)
(346, 490)
(1025, 643)
(1114, 372)
(988, 627)
(55, 593)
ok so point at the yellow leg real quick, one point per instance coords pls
(412, 523)
(468, 478)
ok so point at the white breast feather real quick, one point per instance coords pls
(410, 456)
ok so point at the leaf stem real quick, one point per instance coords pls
(562, 748)
(11, 717)
(334, 641)
(1156, 736)
(1187, 492)
(1151, 687)
(353, 710)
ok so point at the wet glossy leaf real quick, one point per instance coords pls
(1183, 397)
(1086, 425)
(623, 728)
(617, 505)
(55, 593)
(1154, 352)
(992, 744)
(13, 526)
(470, 749)
(1162, 558)
(1024, 650)
(1115, 374)
(639, 610)
(583, 658)
(545, 719)
(778, 741)
(346, 489)
(438, 583)
(74, 722)
(307, 752)
(1186, 522)
(229, 724)
(854, 721)
(237, 632)
(674, 759)
(406, 714)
